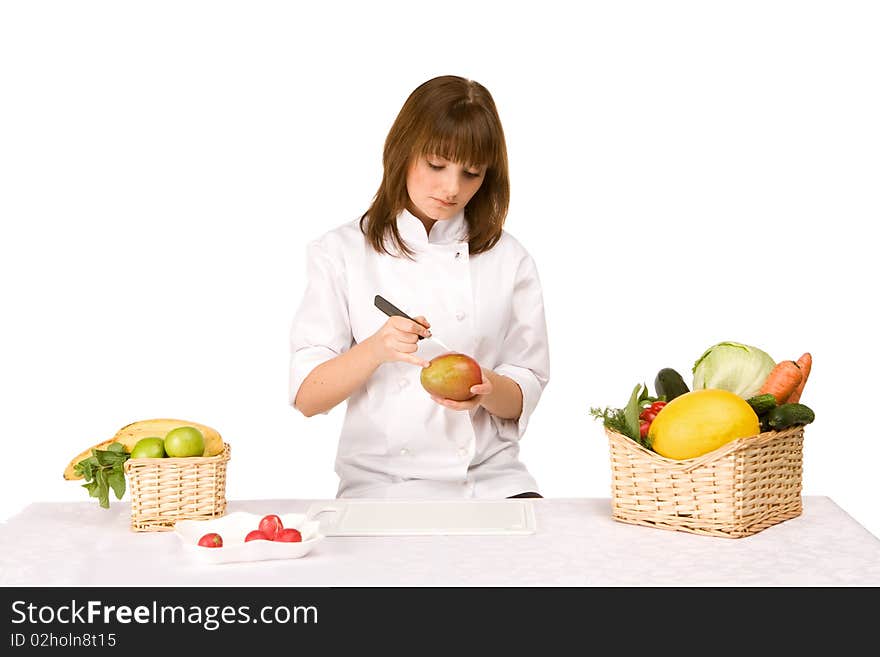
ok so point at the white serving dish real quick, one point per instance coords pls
(233, 527)
(363, 517)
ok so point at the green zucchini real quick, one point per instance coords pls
(762, 404)
(669, 384)
(790, 415)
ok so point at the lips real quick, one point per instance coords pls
(443, 203)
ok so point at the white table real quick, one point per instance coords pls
(577, 543)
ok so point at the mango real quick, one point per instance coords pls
(451, 376)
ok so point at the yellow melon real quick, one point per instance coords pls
(700, 421)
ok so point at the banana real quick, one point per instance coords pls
(130, 434)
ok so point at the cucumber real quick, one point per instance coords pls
(789, 415)
(669, 384)
(762, 404)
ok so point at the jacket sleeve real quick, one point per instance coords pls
(321, 328)
(525, 355)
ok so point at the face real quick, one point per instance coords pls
(439, 188)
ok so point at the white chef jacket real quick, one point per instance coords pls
(396, 442)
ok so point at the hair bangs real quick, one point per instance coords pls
(466, 136)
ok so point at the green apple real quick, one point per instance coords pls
(184, 441)
(148, 448)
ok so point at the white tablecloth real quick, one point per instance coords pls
(577, 543)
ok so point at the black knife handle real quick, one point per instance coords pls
(391, 310)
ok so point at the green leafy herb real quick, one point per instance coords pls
(625, 420)
(103, 471)
(612, 418)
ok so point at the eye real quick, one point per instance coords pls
(435, 167)
(471, 174)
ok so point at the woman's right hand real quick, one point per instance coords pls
(398, 340)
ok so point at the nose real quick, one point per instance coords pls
(450, 184)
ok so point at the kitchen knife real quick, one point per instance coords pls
(391, 310)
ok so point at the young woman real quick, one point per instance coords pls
(432, 243)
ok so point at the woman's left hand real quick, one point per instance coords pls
(481, 390)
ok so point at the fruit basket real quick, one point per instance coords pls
(166, 490)
(736, 490)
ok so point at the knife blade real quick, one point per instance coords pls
(393, 311)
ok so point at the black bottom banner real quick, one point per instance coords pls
(266, 618)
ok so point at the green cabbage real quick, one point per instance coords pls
(732, 366)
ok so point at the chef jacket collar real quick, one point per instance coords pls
(448, 231)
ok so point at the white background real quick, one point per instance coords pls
(682, 172)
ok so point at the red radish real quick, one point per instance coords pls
(212, 540)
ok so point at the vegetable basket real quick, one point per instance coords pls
(736, 490)
(166, 490)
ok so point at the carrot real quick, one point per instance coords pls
(806, 364)
(782, 380)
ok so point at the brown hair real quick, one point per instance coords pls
(455, 119)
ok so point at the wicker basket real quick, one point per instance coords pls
(166, 490)
(737, 490)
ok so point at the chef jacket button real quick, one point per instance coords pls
(462, 452)
(403, 383)
(459, 315)
(457, 255)
(404, 451)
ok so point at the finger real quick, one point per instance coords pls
(454, 405)
(481, 389)
(406, 324)
(421, 330)
(406, 352)
(417, 329)
(413, 326)
(405, 336)
(399, 323)
(448, 403)
(424, 322)
(405, 347)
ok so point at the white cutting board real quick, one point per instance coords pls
(419, 518)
